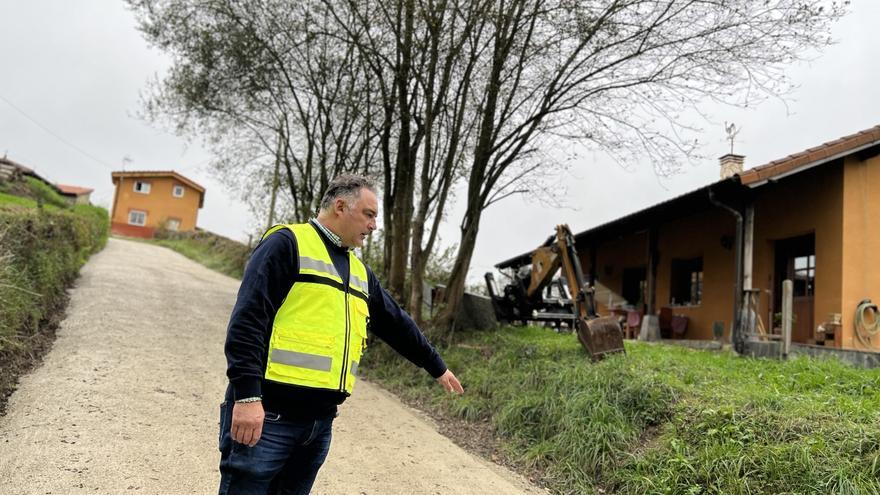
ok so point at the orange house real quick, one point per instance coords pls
(147, 200)
(714, 259)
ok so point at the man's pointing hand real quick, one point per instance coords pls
(450, 383)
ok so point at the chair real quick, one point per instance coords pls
(679, 326)
(633, 324)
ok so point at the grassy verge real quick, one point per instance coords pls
(214, 251)
(660, 419)
(41, 251)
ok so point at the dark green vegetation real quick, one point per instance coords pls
(661, 419)
(43, 243)
(214, 251)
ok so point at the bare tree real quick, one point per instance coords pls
(617, 74)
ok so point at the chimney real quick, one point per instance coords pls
(731, 165)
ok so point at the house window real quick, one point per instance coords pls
(172, 224)
(136, 217)
(141, 187)
(803, 275)
(686, 282)
(177, 191)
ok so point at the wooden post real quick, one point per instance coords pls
(748, 246)
(652, 271)
(787, 298)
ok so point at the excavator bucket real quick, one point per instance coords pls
(600, 336)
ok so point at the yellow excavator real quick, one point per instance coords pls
(529, 296)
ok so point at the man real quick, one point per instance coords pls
(295, 339)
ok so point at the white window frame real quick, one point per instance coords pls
(173, 221)
(130, 220)
(175, 188)
(145, 187)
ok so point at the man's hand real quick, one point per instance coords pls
(450, 383)
(247, 422)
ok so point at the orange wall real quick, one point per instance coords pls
(628, 252)
(159, 204)
(861, 242)
(700, 235)
(690, 237)
(806, 202)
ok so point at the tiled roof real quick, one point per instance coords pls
(812, 156)
(76, 190)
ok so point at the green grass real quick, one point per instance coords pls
(41, 251)
(31, 192)
(661, 419)
(215, 252)
(9, 199)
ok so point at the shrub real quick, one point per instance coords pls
(41, 251)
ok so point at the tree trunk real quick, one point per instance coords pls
(404, 180)
(455, 288)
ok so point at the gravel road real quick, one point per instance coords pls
(127, 399)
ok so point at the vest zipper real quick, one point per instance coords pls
(347, 340)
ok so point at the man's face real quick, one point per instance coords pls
(357, 219)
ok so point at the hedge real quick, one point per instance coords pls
(41, 251)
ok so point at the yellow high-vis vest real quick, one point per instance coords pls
(320, 330)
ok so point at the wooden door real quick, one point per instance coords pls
(796, 261)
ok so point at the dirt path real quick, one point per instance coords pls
(127, 399)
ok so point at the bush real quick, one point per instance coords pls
(41, 251)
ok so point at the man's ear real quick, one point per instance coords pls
(339, 206)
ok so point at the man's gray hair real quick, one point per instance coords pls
(347, 187)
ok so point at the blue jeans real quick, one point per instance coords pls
(285, 461)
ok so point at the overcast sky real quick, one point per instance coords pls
(72, 72)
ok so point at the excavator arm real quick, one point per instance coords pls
(598, 335)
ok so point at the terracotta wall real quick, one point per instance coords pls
(159, 204)
(694, 236)
(691, 237)
(804, 203)
(132, 230)
(861, 242)
(612, 257)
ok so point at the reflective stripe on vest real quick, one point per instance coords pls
(320, 330)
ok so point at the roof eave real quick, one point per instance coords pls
(815, 163)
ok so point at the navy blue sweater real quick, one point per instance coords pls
(267, 281)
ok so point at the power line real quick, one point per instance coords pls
(56, 136)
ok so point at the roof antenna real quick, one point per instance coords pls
(732, 131)
(126, 160)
